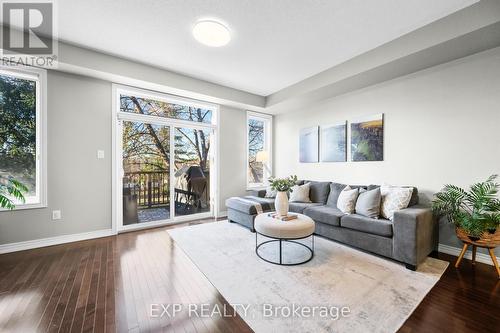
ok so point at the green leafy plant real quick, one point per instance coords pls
(11, 189)
(476, 211)
(283, 184)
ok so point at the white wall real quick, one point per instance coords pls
(78, 124)
(441, 126)
(79, 184)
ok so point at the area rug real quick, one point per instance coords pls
(348, 290)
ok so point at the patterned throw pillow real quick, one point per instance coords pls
(347, 200)
(394, 199)
(300, 193)
(270, 193)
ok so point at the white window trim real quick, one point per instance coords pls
(268, 145)
(164, 97)
(118, 116)
(39, 75)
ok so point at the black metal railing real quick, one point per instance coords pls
(150, 188)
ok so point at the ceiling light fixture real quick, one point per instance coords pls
(211, 33)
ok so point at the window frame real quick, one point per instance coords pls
(40, 77)
(268, 146)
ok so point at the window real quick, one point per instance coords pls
(160, 107)
(259, 136)
(21, 131)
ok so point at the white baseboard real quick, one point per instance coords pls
(455, 251)
(37, 243)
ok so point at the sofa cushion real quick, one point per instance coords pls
(394, 199)
(270, 193)
(335, 189)
(298, 207)
(249, 204)
(300, 193)
(346, 201)
(257, 193)
(319, 191)
(379, 227)
(324, 214)
(414, 195)
(368, 203)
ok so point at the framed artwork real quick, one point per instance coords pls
(367, 138)
(309, 145)
(334, 142)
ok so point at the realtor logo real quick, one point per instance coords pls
(28, 32)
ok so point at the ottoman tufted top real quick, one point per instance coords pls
(301, 227)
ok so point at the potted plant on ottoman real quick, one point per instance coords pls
(282, 186)
(475, 214)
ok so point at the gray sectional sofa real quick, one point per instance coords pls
(409, 238)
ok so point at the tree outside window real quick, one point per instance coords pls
(18, 131)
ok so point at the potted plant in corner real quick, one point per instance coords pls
(475, 214)
(11, 189)
(282, 186)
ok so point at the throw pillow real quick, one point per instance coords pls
(300, 193)
(270, 193)
(347, 200)
(319, 191)
(414, 195)
(335, 189)
(394, 199)
(368, 203)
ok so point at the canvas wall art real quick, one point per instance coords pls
(309, 145)
(367, 138)
(334, 142)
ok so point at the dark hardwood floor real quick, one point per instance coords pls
(464, 300)
(109, 284)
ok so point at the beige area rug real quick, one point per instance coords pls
(380, 294)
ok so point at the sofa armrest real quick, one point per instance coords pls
(415, 234)
(257, 193)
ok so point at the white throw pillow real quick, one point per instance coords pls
(347, 200)
(394, 199)
(300, 193)
(270, 193)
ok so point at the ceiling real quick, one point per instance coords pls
(274, 43)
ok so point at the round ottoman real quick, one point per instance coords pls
(279, 232)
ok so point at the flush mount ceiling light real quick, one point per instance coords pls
(211, 33)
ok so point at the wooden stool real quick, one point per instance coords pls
(487, 240)
(491, 251)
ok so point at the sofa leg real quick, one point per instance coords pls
(252, 230)
(411, 267)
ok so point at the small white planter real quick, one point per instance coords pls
(281, 203)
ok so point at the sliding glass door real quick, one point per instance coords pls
(146, 172)
(192, 170)
(165, 153)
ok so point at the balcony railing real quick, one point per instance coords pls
(150, 188)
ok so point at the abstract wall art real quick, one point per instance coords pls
(309, 145)
(367, 138)
(334, 142)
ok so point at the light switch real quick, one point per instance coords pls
(100, 154)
